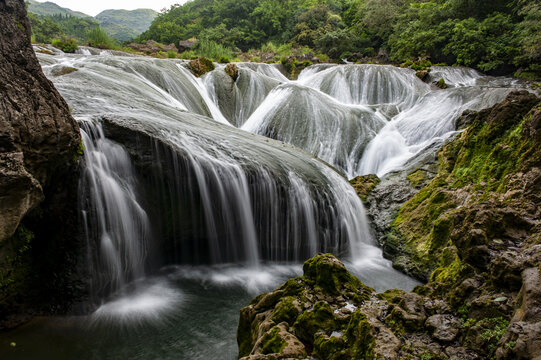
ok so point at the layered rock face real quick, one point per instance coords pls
(473, 231)
(39, 141)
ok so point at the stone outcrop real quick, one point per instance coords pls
(185, 45)
(310, 315)
(329, 314)
(39, 142)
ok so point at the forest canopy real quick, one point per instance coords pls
(492, 35)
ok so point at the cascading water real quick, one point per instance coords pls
(217, 194)
(239, 99)
(311, 120)
(112, 213)
(407, 114)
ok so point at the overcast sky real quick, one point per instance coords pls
(94, 7)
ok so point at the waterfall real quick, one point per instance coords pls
(214, 194)
(112, 212)
(161, 150)
(334, 132)
(366, 84)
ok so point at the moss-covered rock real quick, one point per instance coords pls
(311, 310)
(201, 66)
(473, 232)
(364, 184)
(232, 70)
(441, 83)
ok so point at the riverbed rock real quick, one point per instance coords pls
(309, 315)
(364, 184)
(152, 47)
(39, 145)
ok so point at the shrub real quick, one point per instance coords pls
(97, 37)
(67, 45)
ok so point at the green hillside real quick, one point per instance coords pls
(49, 9)
(139, 20)
(122, 25)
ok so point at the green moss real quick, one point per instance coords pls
(293, 287)
(272, 342)
(320, 318)
(329, 274)
(224, 60)
(417, 178)
(201, 66)
(363, 185)
(392, 296)
(491, 330)
(360, 339)
(331, 348)
(285, 310)
(441, 84)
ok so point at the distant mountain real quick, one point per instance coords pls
(49, 8)
(126, 24)
(119, 24)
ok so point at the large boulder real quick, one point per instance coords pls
(39, 145)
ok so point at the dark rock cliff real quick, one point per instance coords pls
(39, 145)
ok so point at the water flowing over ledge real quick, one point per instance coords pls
(196, 191)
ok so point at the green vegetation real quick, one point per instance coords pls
(121, 25)
(68, 45)
(66, 32)
(97, 37)
(124, 25)
(272, 342)
(499, 36)
(50, 8)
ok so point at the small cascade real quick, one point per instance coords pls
(430, 120)
(238, 99)
(269, 70)
(366, 84)
(455, 76)
(112, 213)
(317, 123)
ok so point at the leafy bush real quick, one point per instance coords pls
(67, 45)
(97, 37)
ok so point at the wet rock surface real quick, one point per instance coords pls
(39, 143)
